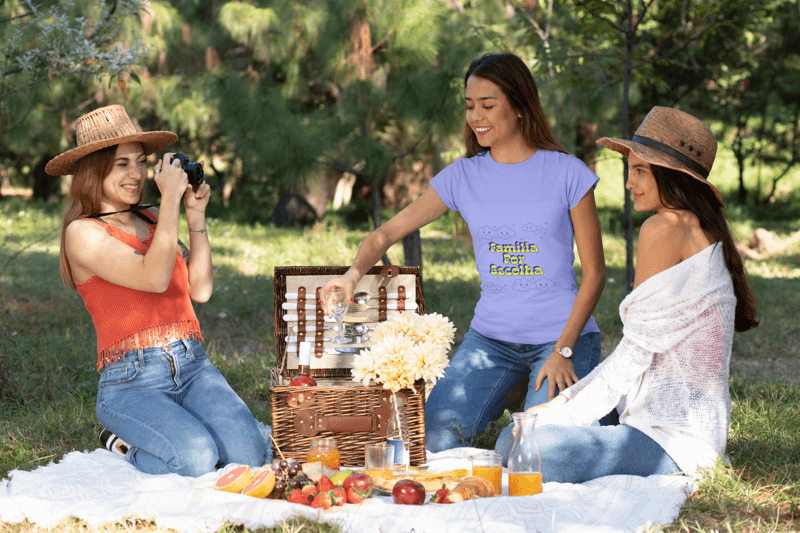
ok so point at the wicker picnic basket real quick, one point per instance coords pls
(337, 407)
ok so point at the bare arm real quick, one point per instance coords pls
(559, 370)
(419, 213)
(201, 270)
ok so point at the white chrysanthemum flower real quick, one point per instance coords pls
(438, 329)
(408, 347)
(399, 324)
(366, 366)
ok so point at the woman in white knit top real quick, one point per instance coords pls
(668, 377)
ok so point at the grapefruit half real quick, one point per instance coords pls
(235, 480)
(261, 485)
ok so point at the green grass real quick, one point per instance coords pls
(47, 367)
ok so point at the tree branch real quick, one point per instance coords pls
(600, 17)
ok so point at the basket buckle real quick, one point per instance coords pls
(301, 399)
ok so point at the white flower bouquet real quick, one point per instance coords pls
(407, 347)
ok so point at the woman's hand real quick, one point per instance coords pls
(170, 177)
(559, 371)
(197, 201)
(345, 282)
(555, 402)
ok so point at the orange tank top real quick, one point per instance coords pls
(119, 313)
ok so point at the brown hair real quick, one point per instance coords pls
(679, 190)
(85, 197)
(512, 75)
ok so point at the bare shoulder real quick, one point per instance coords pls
(666, 239)
(85, 232)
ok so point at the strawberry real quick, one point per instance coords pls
(298, 496)
(325, 484)
(338, 495)
(310, 489)
(354, 495)
(322, 501)
(438, 496)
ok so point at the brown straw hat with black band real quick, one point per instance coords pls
(107, 126)
(673, 139)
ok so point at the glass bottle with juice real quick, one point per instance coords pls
(525, 461)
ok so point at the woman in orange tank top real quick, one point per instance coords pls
(164, 406)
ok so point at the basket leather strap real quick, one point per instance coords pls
(381, 304)
(319, 350)
(309, 422)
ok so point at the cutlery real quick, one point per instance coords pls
(326, 318)
(357, 339)
(313, 296)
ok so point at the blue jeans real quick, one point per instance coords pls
(474, 387)
(176, 412)
(574, 454)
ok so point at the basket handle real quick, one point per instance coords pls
(309, 422)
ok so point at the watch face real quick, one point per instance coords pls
(566, 352)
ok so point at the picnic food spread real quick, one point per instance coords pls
(319, 486)
(348, 396)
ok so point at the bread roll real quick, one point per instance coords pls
(470, 488)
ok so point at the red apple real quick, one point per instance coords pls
(361, 482)
(408, 492)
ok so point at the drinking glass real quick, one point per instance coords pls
(489, 466)
(379, 457)
(336, 298)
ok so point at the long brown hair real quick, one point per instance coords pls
(85, 197)
(512, 75)
(679, 190)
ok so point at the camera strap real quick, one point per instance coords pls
(135, 210)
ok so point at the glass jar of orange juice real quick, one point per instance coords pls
(325, 450)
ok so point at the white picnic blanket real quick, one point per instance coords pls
(100, 487)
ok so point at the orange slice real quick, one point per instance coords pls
(235, 480)
(261, 485)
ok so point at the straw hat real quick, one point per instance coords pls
(107, 126)
(673, 139)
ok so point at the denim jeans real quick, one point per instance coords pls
(574, 454)
(474, 387)
(176, 412)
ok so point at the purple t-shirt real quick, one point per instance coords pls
(518, 215)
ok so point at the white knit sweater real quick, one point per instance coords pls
(668, 377)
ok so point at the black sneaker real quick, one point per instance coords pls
(112, 443)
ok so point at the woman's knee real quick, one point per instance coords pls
(194, 456)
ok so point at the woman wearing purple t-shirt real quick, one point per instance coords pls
(524, 199)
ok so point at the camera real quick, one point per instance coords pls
(193, 170)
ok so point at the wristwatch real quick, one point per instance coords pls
(565, 351)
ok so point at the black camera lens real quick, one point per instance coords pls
(194, 171)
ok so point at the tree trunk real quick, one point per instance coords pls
(585, 144)
(44, 184)
(412, 249)
(377, 219)
(629, 269)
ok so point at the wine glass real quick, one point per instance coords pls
(336, 298)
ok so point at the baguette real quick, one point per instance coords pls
(470, 488)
